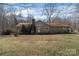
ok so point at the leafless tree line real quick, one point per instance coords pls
(10, 21)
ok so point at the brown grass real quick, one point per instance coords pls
(61, 44)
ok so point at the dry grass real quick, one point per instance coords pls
(61, 44)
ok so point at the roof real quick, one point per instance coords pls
(47, 24)
(59, 25)
(55, 24)
(20, 24)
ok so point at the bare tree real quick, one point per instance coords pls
(48, 10)
(76, 19)
(2, 17)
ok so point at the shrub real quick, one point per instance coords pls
(6, 32)
(26, 29)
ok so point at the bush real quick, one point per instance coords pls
(6, 32)
(26, 29)
(15, 34)
(9, 32)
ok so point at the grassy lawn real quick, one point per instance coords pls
(44, 45)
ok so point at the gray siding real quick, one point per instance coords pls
(45, 28)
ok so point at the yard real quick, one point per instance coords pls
(43, 45)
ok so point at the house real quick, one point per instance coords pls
(46, 28)
(24, 28)
(42, 27)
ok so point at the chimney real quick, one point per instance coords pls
(33, 26)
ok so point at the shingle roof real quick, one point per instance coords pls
(58, 25)
(55, 24)
(20, 24)
(47, 24)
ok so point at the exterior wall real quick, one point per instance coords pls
(59, 29)
(44, 28)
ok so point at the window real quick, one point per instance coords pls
(38, 29)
